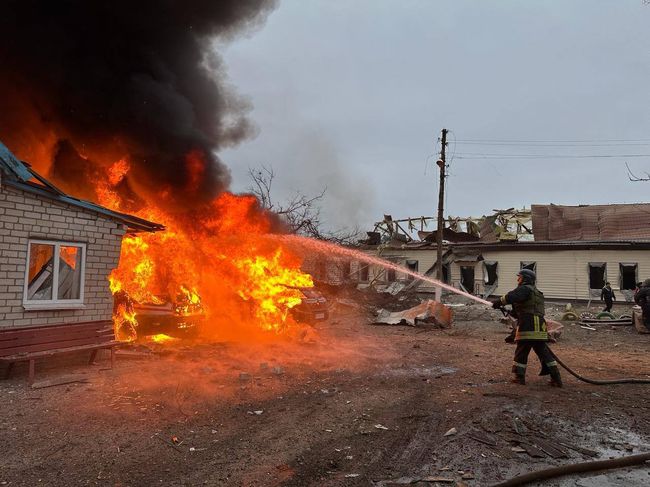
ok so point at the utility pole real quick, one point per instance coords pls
(441, 201)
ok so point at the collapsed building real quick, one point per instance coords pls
(574, 250)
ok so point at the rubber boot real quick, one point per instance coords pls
(556, 379)
(545, 370)
(518, 379)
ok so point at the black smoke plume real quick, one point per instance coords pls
(84, 83)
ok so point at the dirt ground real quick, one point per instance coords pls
(352, 404)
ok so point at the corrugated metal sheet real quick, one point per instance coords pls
(592, 222)
(449, 235)
(11, 165)
(487, 229)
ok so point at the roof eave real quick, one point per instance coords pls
(133, 223)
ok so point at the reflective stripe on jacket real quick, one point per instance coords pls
(528, 305)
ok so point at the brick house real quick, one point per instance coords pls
(56, 251)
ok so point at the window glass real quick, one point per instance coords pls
(54, 273)
(597, 275)
(69, 272)
(41, 271)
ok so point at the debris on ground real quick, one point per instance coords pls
(59, 381)
(155, 417)
(428, 312)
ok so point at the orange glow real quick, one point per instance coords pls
(105, 189)
(214, 262)
(117, 171)
(162, 338)
(125, 323)
(69, 255)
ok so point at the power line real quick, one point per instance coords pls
(469, 155)
(556, 144)
(577, 141)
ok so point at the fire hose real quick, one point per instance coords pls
(599, 382)
(583, 466)
(573, 468)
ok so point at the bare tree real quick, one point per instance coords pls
(300, 212)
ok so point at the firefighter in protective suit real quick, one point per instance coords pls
(528, 307)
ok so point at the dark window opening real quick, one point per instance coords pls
(446, 273)
(391, 275)
(467, 278)
(597, 275)
(363, 272)
(490, 272)
(411, 265)
(629, 275)
(321, 270)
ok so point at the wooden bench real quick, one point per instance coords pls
(35, 342)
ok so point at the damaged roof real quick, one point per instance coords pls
(629, 222)
(19, 174)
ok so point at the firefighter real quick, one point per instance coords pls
(642, 298)
(528, 307)
(607, 295)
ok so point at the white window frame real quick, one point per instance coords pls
(55, 303)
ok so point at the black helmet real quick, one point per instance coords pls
(528, 276)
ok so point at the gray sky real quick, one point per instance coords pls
(352, 95)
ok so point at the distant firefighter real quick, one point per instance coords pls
(607, 295)
(642, 298)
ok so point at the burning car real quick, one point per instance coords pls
(156, 319)
(180, 318)
(312, 308)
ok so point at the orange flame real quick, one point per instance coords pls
(216, 262)
(162, 338)
(106, 189)
(69, 255)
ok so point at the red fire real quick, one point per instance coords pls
(217, 258)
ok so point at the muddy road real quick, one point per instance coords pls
(351, 404)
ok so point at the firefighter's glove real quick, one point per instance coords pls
(496, 303)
